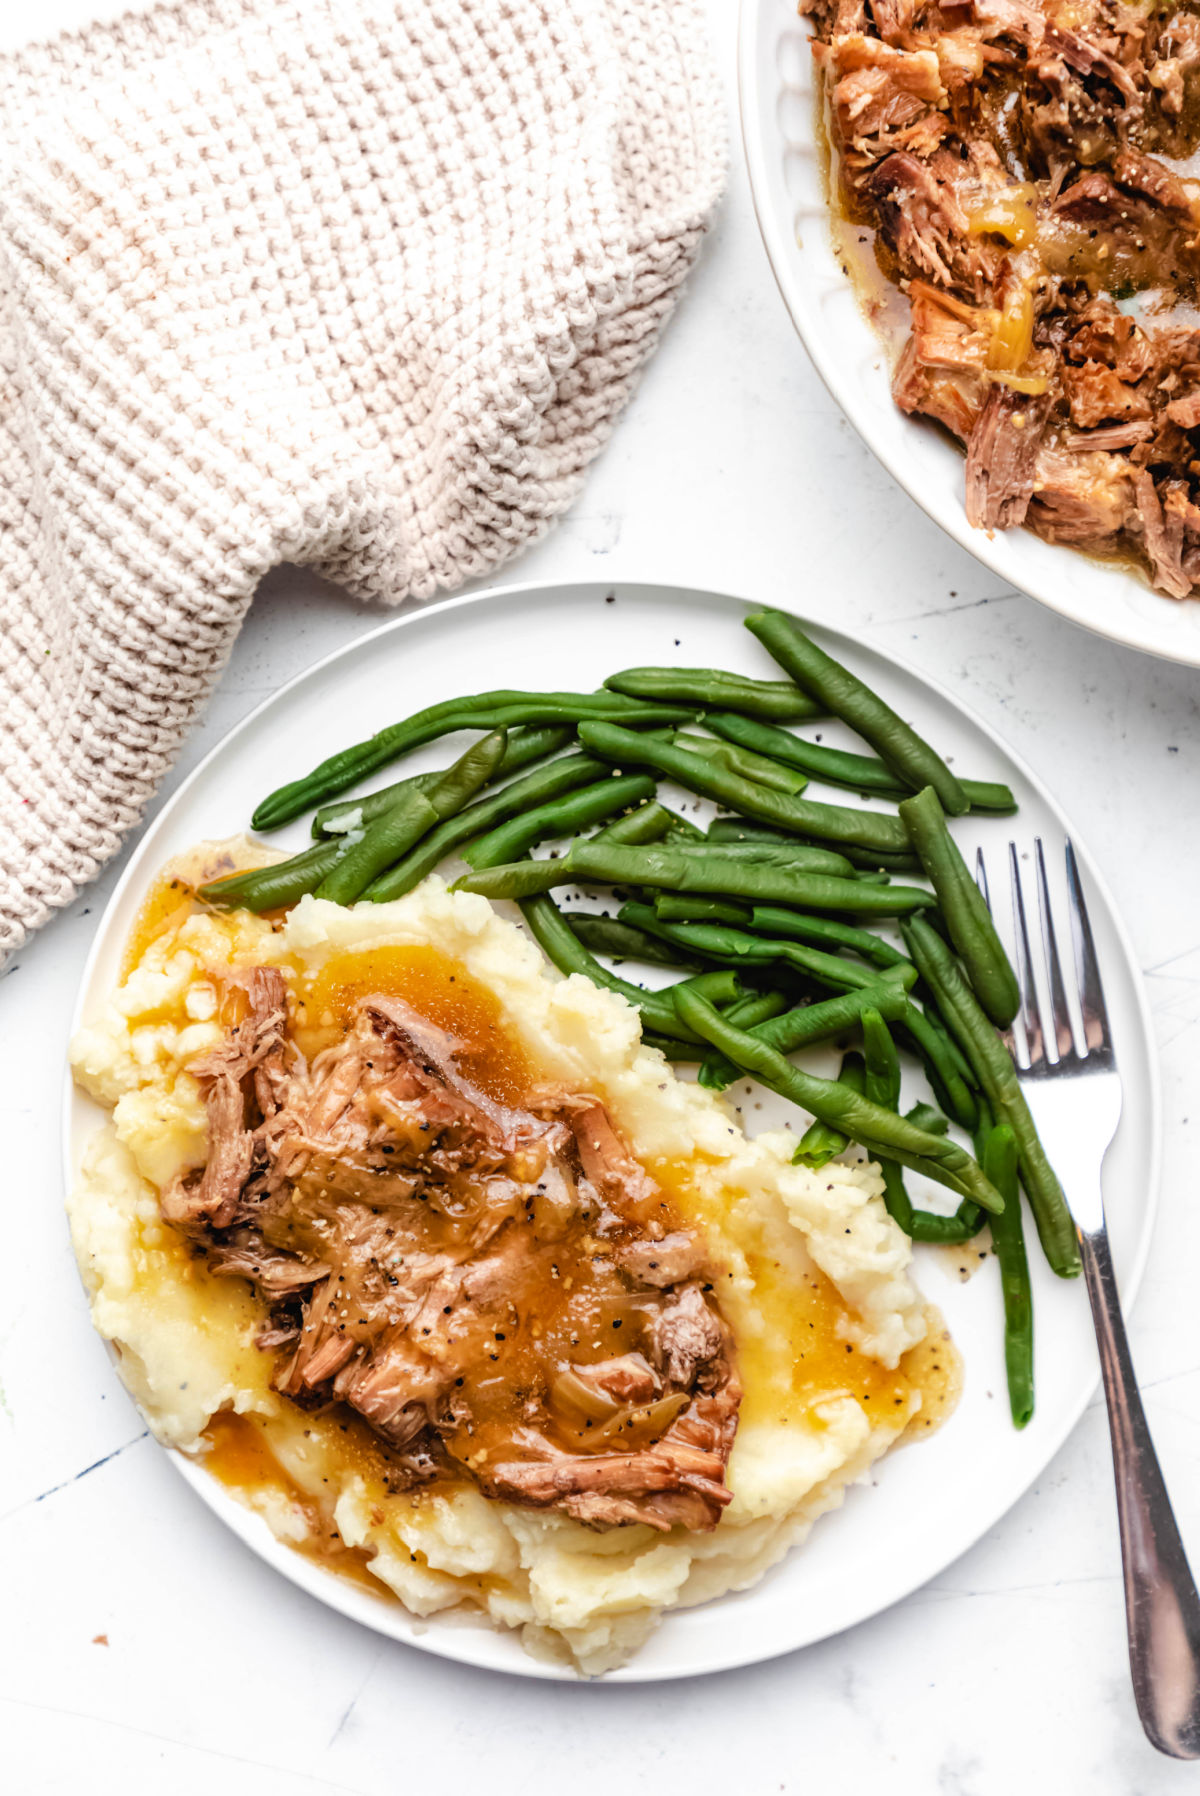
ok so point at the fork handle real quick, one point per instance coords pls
(1161, 1606)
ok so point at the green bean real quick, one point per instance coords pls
(685, 871)
(798, 855)
(881, 1062)
(997, 1075)
(469, 774)
(648, 824)
(719, 985)
(524, 747)
(984, 1126)
(705, 687)
(519, 880)
(926, 1117)
(746, 765)
(558, 817)
(586, 863)
(838, 767)
(941, 1061)
(741, 829)
(562, 947)
(953, 1053)
(669, 1048)
(870, 860)
(858, 773)
(876, 1130)
(544, 783)
(719, 942)
(674, 1049)
(620, 941)
(833, 686)
(989, 795)
(755, 1008)
(883, 1085)
(931, 1226)
(356, 813)
(485, 711)
(769, 919)
(762, 929)
(390, 837)
(876, 830)
(807, 1024)
(683, 828)
(819, 1143)
(672, 907)
(968, 920)
(529, 743)
(282, 883)
(737, 877)
(1008, 1238)
(738, 835)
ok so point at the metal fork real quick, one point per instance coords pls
(1073, 1089)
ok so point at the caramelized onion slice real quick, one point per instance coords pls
(571, 1393)
(1010, 213)
(608, 1425)
(636, 1425)
(1012, 337)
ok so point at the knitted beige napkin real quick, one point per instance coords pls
(359, 284)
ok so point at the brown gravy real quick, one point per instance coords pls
(237, 1455)
(571, 1302)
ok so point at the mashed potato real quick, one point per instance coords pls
(814, 1284)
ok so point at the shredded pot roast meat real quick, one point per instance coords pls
(1015, 162)
(501, 1293)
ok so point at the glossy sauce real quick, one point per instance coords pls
(935, 1368)
(170, 901)
(568, 1303)
(804, 1361)
(801, 1359)
(236, 1454)
(436, 986)
(172, 898)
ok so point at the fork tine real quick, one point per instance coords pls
(1096, 1032)
(1064, 1039)
(1031, 1016)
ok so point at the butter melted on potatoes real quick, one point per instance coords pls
(663, 1350)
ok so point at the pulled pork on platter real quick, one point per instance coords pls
(501, 1293)
(1014, 161)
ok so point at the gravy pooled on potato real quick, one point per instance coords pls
(495, 1289)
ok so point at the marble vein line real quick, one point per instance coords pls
(75, 1476)
(214, 1752)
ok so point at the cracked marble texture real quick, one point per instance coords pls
(145, 1649)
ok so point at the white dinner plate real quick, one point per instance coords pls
(927, 1503)
(786, 162)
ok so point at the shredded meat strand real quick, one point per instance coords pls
(1016, 166)
(458, 1271)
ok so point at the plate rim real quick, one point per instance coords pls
(991, 549)
(452, 1642)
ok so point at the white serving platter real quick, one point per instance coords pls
(776, 84)
(925, 1505)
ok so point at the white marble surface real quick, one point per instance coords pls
(143, 1649)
